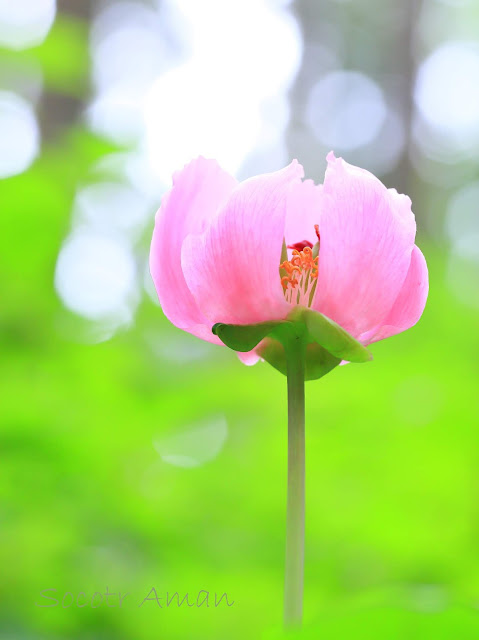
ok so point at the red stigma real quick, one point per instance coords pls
(300, 245)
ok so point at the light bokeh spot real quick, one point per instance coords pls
(346, 110)
(447, 92)
(112, 208)
(213, 104)
(19, 135)
(462, 218)
(25, 23)
(175, 84)
(96, 276)
(194, 445)
(463, 270)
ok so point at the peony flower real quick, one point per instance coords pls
(301, 275)
(218, 255)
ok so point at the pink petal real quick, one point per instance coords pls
(304, 209)
(197, 193)
(367, 236)
(410, 303)
(233, 268)
(248, 357)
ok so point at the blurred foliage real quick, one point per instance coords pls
(87, 503)
(64, 57)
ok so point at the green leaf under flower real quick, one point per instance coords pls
(326, 343)
(331, 335)
(317, 362)
(246, 337)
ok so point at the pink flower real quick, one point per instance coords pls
(217, 249)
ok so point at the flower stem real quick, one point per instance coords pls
(294, 571)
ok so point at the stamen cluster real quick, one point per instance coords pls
(301, 277)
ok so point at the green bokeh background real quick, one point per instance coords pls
(86, 501)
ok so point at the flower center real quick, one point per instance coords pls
(299, 283)
(299, 276)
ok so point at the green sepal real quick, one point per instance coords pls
(318, 361)
(330, 335)
(246, 337)
(326, 343)
(284, 257)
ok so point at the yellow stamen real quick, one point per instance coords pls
(301, 278)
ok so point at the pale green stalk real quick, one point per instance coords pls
(294, 571)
